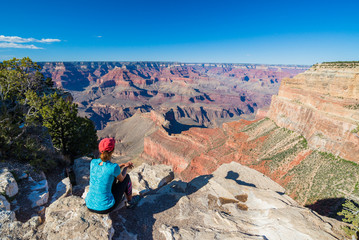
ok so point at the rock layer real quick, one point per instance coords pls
(322, 104)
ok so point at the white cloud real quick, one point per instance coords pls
(99, 36)
(16, 45)
(18, 42)
(15, 39)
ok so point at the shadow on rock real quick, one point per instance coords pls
(328, 207)
(140, 221)
(234, 176)
(176, 127)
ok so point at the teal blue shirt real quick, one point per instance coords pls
(99, 196)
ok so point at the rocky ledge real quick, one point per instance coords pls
(234, 202)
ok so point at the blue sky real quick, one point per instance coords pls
(230, 31)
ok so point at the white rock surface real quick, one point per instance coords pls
(11, 229)
(146, 177)
(38, 198)
(7, 216)
(39, 193)
(81, 169)
(68, 218)
(234, 202)
(8, 184)
(85, 192)
(4, 204)
(63, 189)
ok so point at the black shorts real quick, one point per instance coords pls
(118, 189)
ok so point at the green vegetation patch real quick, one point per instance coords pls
(284, 157)
(339, 64)
(353, 106)
(254, 125)
(322, 176)
(356, 130)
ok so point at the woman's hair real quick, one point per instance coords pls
(105, 155)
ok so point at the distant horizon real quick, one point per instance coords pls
(185, 62)
(224, 63)
(230, 31)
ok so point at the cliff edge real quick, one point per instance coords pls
(322, 104)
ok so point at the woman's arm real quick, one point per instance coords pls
(123, 173)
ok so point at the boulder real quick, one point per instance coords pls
(63, 189)
(39, 194)
(4, 204)
(10, 228)
(146, 177)
(68, 218)
(6, 216)
(8, 184)
(81, 170)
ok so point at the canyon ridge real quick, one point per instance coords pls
(198, 94)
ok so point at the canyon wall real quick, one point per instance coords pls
(281, 154)
(322, 104)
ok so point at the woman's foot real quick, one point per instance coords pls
(134, 201)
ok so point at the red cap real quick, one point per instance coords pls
(106, 144)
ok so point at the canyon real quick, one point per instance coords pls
(214, 179)
(282, 142)
(196, 94)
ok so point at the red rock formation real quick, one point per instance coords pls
(322, 105)
(262, 145)
(206, 94)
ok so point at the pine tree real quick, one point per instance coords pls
(351, 215)
(28, 101)
(73, 135)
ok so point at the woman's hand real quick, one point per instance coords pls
(123, 173)
(129, 165)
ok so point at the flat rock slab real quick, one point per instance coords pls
(234, 202)
(8, 184)
(68, 218)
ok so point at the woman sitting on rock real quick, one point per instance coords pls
(107, 182)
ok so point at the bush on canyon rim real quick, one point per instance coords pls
(28, 103)
(75, 136)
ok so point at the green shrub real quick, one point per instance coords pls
(350, 215)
